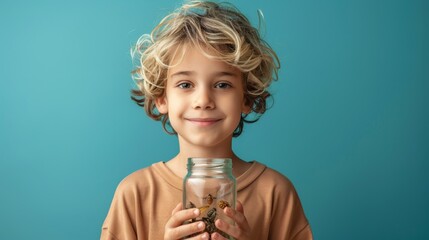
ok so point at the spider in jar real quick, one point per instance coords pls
(223, 204)
(209, 199)
(210, 221)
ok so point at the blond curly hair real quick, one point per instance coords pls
(221, 32)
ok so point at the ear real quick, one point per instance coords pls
(246, 108)
(161, 104)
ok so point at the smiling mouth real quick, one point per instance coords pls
(203, 121)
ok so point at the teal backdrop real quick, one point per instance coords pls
(349, 124)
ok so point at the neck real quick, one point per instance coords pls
(221, 150)
(187, 150)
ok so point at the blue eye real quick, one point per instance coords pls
(184, 85)
(223, 85)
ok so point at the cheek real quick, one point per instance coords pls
(240, 105)
(176, 110)
(175, 106)
(235, 112)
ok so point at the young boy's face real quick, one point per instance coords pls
(204, 99)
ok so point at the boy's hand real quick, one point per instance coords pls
(175, 230)
(239, 231)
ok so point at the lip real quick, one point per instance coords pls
(203, 121)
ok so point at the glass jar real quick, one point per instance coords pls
(210, 186)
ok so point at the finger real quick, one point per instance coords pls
(200, 236)
(181, 216)
(217, 236)
(186, 230)
(232, 230)
(177, 208)
(239, 207)
(241, 226)
(237, 216)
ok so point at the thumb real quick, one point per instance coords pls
(177, 208)
(239, 207)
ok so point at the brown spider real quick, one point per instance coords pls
(209, 199)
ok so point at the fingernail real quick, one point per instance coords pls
(204, 236)
(200, 225)
(218, 223)
(228, 210)
(196, 212)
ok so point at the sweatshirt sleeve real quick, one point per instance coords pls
(120, 222)
(288, 218)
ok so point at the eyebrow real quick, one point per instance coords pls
(184, 73)
(190, 73)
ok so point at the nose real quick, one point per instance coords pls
(203, 99)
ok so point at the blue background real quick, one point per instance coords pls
(349, 125)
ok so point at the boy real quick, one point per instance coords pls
(201, 72)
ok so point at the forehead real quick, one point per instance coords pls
(199, 60)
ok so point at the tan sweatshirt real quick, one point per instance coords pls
(144, 200)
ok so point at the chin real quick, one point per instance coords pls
(205, 141)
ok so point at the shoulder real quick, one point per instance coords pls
(274, 196)
(271, 179)
(136, 181)
(265, 181)
(274, 176)
(150, 180)
(124, 211)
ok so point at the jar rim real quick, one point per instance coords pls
(209, 162)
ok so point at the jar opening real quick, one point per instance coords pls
(209, 163)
